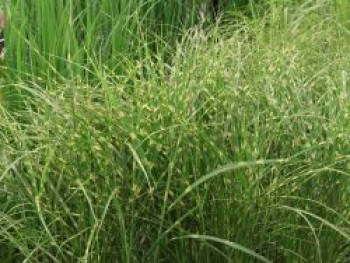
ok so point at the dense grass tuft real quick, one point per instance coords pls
(234, 149)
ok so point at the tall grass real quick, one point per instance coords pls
(234, 149)
(64, 38)
(69, 38)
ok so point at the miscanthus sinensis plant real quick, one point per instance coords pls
(237, 149)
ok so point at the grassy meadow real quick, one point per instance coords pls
(149, 131)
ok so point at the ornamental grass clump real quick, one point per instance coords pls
(236, 149)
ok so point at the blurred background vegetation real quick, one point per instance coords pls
(70, 37)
